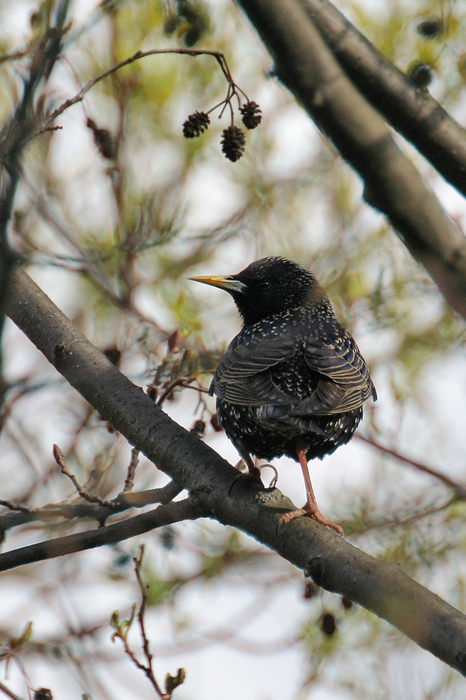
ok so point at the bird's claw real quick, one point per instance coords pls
(310, 512)
(273, 483)
(253, 474)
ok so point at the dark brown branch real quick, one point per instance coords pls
(307, 67)
(109, 534)
(412, 112)
(14, 135)
(333, 563)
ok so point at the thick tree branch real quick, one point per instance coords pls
(305, 64)
(331, 561)
(412, 112)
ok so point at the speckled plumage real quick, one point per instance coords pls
(295, 373)
(293, 380)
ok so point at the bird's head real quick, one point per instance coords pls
(269, 286)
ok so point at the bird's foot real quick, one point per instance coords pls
(312, 511)
(273, 483)
(253, 473)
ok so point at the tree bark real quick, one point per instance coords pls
(411, 111)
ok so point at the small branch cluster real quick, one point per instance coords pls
(122, 628)
(233, 138)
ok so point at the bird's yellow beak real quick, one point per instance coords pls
(227, 283)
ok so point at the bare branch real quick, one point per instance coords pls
(460, 491)
(109, 534)
(122, 628)
(98, 512)
(412, 112)
(129, 481)
(9, 693)
(219, 57)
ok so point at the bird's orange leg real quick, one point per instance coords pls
(311, 508)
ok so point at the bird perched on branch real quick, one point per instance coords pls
(293, 381)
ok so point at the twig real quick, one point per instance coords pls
(9, 693)
(15, 55)
(169, 386)
(11, 505)
(409, 520)
(148, 667)
(460, 491)
(220, 58)
(60, 460)
(123, 627)
(199, 388)
(21, 515)
(129, 481)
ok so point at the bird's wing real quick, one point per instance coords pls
(345, 383)
(242, 377)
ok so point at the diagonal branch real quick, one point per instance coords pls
(333, 563)
(307, 67)
(412, 112)
(219, 57)
(458, 489)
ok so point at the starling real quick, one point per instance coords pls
(293, 381)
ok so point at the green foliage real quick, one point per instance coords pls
(172, 682)
(122, 627)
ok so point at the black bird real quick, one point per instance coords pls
(293, 381)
